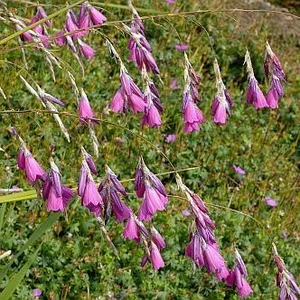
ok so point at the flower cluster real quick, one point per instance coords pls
(109, 189)
(237, 277)
(152, 242)
(275, 73)
(285, 280)
(139, 47)
(78, 26)
(128, 95)
(57, 195)
(151, 189)
(203, 249)
(192, 115)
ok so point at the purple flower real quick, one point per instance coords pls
(239, 170)
(151, 189)
(270, 202)
(71, 25)
(36, 293)
(57, 196)
(170, 1)
(155, 257)
(153, 201)
(151, 116)
(153, 107)
(237, 275)
(192, 115)
(91, 197)
(181, 47)
(86, 50)
(40, 14)
(96, 16)
(272, 65)
(255, 96)
(275, 92)
(157, 239)
(59, 38)
(109, 188)
(131, 229)
(170, 138)
(222, 102)
(85, 111)
(32, 168)
(129, 95)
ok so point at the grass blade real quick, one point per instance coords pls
(33, 238)
(15, 281)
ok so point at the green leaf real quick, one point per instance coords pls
(33, 238)
(27, 195)
(2, 213)
(14, 282)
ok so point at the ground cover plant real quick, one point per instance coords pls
(149, 150)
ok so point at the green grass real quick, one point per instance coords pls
(74, 261)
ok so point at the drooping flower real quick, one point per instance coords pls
(203, 248)
(192, 115)
(85, 110)
(131, 230)
(155, 257)
(254, 95)
(96, 16)
(27, 162)
(41, 14)
(86, 50)
(87, 188)
(139, 47)
(72, 25)
(151, 189)
(129, 95)
(222, 102)
(237, 277)
(57, 195)
(272, 65)
(109, 189)
(153, 107)
(157, 238)
(273, 71)
(285, 279)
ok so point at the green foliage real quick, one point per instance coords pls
(74, 260)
